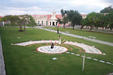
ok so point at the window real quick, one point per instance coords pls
(42, 22)
(38, 22)
(50, 23)
(46, 22)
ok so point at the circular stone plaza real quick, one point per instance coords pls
(49, 50)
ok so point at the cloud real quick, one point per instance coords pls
(89, 5)
(20, 11)
(26, 1)
(96, 3)
(101, 3)
(47, 6)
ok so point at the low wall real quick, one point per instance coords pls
(2, 65)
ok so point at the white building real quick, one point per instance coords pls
(49, 20)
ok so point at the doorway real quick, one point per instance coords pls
(53, 23)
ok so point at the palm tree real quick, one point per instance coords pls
(59, 22)
(64, 17)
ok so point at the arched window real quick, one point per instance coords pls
(38, 22)
(46, 22)
(50, 23)
(42, 22)
(53, 23)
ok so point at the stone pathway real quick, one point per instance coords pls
(78, 36)
(2, 65)
(90, 58)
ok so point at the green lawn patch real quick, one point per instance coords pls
(99, 35)
(27, 61)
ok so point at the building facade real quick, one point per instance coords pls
(49, 20)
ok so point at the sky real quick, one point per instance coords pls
(35, 7)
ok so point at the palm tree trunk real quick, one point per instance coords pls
(57, 30)
(20, 26)
(24, 27)
(91, 27)
(73, 27)
(64, 26)
(82, 27)
(111, 28)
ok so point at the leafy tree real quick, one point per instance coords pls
(26, 20)
(101, 20)
(109, 18)
(107, 10)
(12, 19)
(32, 21)
(74, 17)
(95, 20)
(92, 19)
(84, 22)
(21, 21)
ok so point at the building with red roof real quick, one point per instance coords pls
(49, 20)
(0, 16)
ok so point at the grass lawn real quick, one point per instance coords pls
(27, 61)
(99, 35)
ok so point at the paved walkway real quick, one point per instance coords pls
(2, 65)
(81, 37)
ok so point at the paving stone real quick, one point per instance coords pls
(95, 59)
(68, 52)
(77, 54)
(102, 61)
(72, 53)
(54, 58)
(108, 63)
(88, 57)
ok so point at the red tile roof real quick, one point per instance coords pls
(48, 16)
(59, 16)
(0, 16)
